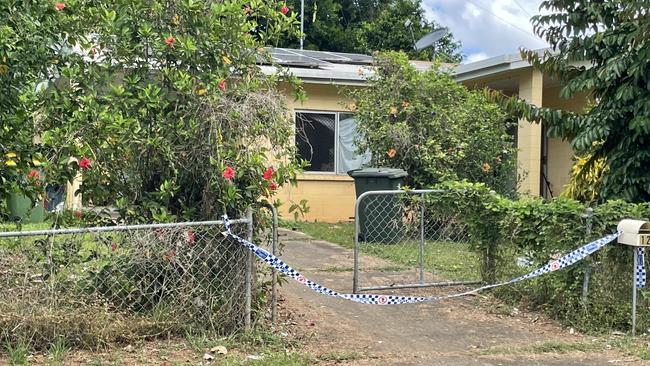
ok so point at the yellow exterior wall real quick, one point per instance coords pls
(329, 196)
(560, 153)
(529, 135)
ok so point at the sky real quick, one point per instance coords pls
(487, 28)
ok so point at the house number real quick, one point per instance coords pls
(644, 239)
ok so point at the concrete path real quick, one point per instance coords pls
(469, 331)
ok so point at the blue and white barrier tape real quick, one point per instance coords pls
(639, 268)
(372, 299)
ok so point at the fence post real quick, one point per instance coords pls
(274, 277)
(587, 273)
(249, 272)
(421, 253)
(357, 230)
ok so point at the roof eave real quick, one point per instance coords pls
(490, 71)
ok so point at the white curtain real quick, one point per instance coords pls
(348, 158)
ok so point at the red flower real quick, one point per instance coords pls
(273, 186)
(79, 214)
(59, 6)
(190, 236)
(169, 41)
(33, 174)
(229, 173)
(222, 85)
(268, 174)
(84, 163)
(170, 255)
(284, 10)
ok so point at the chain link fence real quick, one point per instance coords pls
(402, 241)
(100, 285)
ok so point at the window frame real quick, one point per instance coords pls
(336, 114)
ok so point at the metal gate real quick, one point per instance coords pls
(404, 240)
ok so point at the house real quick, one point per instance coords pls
(326, 127)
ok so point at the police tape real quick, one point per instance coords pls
(373, 299)
(639, 268)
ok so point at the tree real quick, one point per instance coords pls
(432, 127)
(161, 104)
(366, 26)
(601, 48)
(398, 26)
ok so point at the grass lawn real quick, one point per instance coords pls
(453, 261)
(12, 226)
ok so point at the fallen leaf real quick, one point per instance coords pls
(220, 350)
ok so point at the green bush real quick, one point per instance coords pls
(507, 231)
(431, 126)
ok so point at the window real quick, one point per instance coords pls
(326, 140)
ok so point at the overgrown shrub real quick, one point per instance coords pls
(433, 127)
(162, 110)
(510, 233)
(153, 101)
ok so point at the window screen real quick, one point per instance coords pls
(315, 134)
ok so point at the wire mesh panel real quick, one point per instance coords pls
(99, 285)
(403, 239)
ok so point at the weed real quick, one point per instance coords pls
(563, 347)
(340, 356)
(18, 353)
(637, 346)
(337, 269)
(58, 350)
(95, 362)
(547, 347)
(200, 342)
(388, 269)
(276, 358)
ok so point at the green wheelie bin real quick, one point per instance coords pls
(380, 216)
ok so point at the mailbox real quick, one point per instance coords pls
(634, 232)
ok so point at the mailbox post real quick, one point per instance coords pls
(636, 234)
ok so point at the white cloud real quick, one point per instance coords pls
(487, 28)
(476, 57)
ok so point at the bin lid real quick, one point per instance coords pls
(391, 173)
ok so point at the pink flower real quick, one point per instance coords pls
(59, 6)
(169, 41)
(33, 174)
(190, 236)
(113, 246)
(79, 214)
(273, 186)
(222, 84)
(284, 10)
(84, 163)
(229, 173)
(268, 174)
